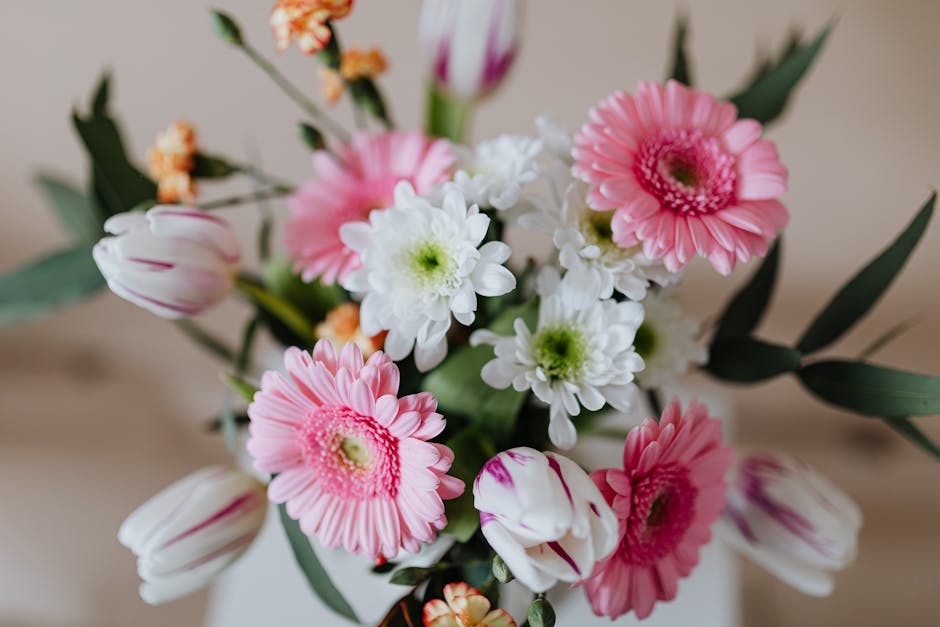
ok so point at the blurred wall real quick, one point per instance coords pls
(104, 404)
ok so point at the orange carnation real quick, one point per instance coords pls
(305, 21)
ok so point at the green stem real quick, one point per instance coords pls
(447, 116)
(231, 201)
(243, 363)
(287, 313)
(261, 176)
(331, 125)
(655, 403)
(206, 340)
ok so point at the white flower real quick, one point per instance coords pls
(191, 531)
(173, 261)
(544, 516)
(495, 174)
(469, 46)
(420, 264)
(790, 520)
(578, 356)
(667, 341)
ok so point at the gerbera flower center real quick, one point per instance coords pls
(687, 172)
(645, 341)
(662, 510)
(353, 456)
(560, 351)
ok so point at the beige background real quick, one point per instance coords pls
(103, 404)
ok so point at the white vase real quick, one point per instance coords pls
(266, 588)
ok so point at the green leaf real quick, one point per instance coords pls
(861, 292)
(41, 287)
(447, 116)
(411, 576)
(280, 310)
(76, 212)
(211, 167)
(316, 575)
(312, 297)
(909, 430)
(471, 450)
(366, 95)
(244, 389)
(311, 136)
(888, 336)
(872, 390)
(541, 613)
(459, 390)
(680, 61)
(766, 97)
(118, 184)
(745, 310)
(225, 27)
(749, 360)
(206, 339)
(101, 95)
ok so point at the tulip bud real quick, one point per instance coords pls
(191, 531)
(790, 520)
(544, 517)
(469, 46)
(173, 261)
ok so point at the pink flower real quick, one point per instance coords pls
(352, 460)
(684, 176)
(347, 189)
(670, 491)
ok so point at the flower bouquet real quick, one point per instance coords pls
(429, 382)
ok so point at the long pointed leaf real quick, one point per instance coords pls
(749, 360)
(767, 96)
(864, 289)
(43, 286)
(313, 570)
(909, 430)
(872, 390)
(77, 214)
(744, 312)
(680, 60)
(888, 336)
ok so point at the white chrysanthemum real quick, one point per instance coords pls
(667, 340)
(577, 357)
(495, 174)
(420, 264)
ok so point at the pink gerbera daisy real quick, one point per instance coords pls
(682, 175)
(348, 186)
(351, 459)
(670, 491)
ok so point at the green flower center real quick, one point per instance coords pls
(430, 264)
(597, 229)
(560, 352)
(685, 172)
(355, 451)
(645, 341)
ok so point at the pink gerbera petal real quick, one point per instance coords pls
(668, 494)
(351, 463)
(671, 161)
(347, 188)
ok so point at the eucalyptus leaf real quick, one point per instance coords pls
(909, 430)
(680, 60)
(745, 310)
(211, 167)
(863, 290)
(872, 390)
(313, 570)
(43, 286)
(749, 360)
(77, 213)
(766, 97)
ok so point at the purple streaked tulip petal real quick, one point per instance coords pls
(469, 46)
(789, 519)
(173, 261)
(544, 516)
(192, 530)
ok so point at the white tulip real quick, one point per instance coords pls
(790, 520)
(469, 45)
(544, 516)
(173, 261)
(191, 531)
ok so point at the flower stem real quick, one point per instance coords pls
(331, 125)
(262, 194)
(206, 340)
